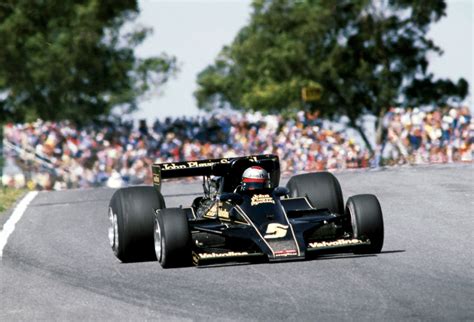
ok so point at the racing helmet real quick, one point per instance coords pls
(255, 178)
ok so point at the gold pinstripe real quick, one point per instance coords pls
(292, 231)
(242, 213)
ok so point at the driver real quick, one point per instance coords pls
(255, 178)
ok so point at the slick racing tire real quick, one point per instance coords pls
(172, 238)
(131, 217)
(367, 222)
(321, 188)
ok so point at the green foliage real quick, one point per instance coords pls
(366, 54)
(8, 196)
(72, 59)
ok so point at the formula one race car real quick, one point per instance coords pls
(243, 214)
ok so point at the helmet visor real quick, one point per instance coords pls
(253, 183)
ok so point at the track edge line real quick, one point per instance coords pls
(16, 215)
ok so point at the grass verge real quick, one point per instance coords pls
(8, 196)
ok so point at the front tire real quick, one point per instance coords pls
(131, 216)
(367, 222)
(172, 238)
(321, 188)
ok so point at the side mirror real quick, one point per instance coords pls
(281, 191)
(233, 198)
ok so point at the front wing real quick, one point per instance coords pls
(265, 250)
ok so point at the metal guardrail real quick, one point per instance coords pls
(30, 162)
(30, 155)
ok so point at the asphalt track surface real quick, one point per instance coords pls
(58, 264)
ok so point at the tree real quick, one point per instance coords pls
(73, 60)
(366, 55)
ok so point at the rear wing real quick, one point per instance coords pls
(218, 167)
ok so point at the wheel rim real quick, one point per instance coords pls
(158, 241)
(113, 230)
(353, 218)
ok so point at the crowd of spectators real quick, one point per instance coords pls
(439, 136)
(60, 155)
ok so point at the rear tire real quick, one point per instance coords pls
(321, 188)
(172, 238)
(131, 216)
(367, 222)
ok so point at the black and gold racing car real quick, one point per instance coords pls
(228, 223)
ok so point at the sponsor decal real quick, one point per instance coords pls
(172, 166)
(223, 213)
(216, 210)
(261, 198)
(221, 255)
(192, 164)
(212, 212)
(286, 252)
(276, 231)
(340, 242)
(196, 164)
